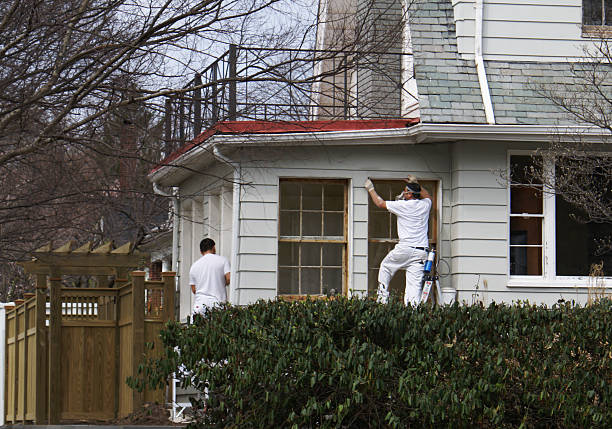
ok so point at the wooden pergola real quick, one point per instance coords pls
(50, 265)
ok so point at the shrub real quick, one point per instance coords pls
(356, 363)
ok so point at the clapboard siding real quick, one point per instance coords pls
(478, 213)
(479, 179)
(479, 230)
(471, 247)
(540, 297)
(479, 264)
(257, 261)
(258, 210)
(258, 228)
(259, 200)
(527, 30)
(251, 295)
(495, 196)
(264, 245)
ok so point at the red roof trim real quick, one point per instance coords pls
(268, 127)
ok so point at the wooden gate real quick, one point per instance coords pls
(94, 339)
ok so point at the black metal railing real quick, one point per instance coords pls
(287, 85)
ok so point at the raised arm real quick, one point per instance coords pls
(424, 193)
(376, 199)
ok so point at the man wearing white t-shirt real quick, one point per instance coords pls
(208, 277)
(412, 211)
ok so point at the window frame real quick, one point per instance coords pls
(315, 239)
(549, 278)
(434, 187)
(595, 30)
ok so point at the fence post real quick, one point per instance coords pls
(55, 351)
(233, 58)
(41, 349)
(168, 128)
(169, 291)
(121, 279)
(197, 106)
(138, 278)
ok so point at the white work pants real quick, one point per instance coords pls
(202, 303)
(402, 257)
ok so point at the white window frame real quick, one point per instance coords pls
(548, 279)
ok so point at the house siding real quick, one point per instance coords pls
(523, 30)
(259, 214)
(478, 217)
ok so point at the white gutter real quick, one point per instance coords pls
(234, 279)
(480, 66)
(415, 134)
(175, 229)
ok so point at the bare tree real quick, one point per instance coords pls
(84, 85)
(578, 168)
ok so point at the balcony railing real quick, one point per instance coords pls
(289, 85)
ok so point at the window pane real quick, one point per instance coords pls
(311, 223)
(333, 197)
(289, 223)
(311, 254)
(333, 224)
(311, 281)
(312, 196)
(526, 231)
(526, 261)
(288, 254)
(579, 244)
(591, 12)
(332, 255)
(332, 279)
(289, 196)
(288, 281)
(525, 199)
(376, 253)
(608, 11)
(523, 170)
(378, 225)
(393, 226)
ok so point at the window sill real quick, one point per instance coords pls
(596, 31)
(558, 282)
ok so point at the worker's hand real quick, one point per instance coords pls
(411, 179)
(368, 185)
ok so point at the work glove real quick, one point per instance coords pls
(368, 185)
(411, 179)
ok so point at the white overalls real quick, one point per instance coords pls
(409, 253)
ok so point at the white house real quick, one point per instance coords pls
(285, 201)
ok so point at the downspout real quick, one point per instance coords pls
(175, 228)
(480, 66)
(234, 280)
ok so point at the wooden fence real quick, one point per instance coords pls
(68, 354)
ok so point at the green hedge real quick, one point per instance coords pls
(356, 363)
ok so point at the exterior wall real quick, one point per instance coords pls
(472, 206)
(204, 212)
(257, 253)
(480, 231)
(523, 30)
(479, 237)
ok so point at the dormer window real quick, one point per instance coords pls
(596, 14)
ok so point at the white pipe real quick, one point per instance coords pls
(480, 66)
(234, 280)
